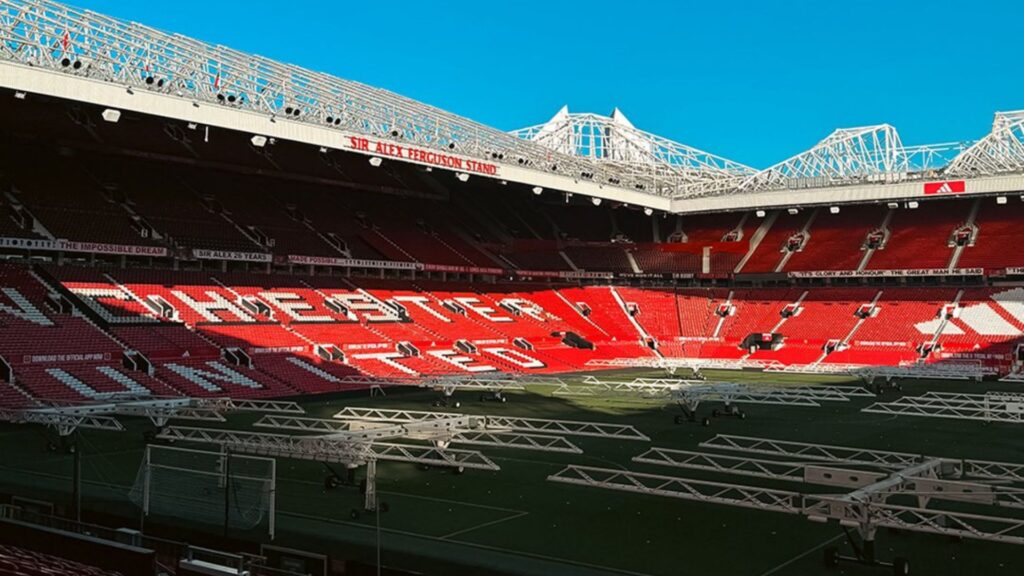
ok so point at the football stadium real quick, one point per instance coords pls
(260, 320)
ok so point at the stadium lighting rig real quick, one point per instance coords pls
(502, 423)
(492, 387)
(1005, 407)
(66, 418)
(358, 437)
(862, 490)
(690, 394)
(330, 449)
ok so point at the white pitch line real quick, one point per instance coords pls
(526, 554)
(484, 525)
(802, 555)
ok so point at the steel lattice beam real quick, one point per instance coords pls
(42, 34)
(355, 430)
(1000, 152)
(943, 522)
(501, 423)
(682, 488)
(614, 140)
(518, 440)
(970, 468)
(992, 407)
(326, 449)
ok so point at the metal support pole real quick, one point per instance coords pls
(227, 491)
(371, 485)
(146, 479)
(76, 489)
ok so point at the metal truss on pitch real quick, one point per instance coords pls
(443, 431)
(68, 417)
(943, 371)
(672, 364)
(501, 423)
(859, 488)
(988, 407)
(363, 436)
(330, 449)
(690, 394)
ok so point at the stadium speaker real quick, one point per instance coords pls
(330, 120)
(65, 62)
(77, 64)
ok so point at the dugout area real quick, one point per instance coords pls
(515, 521)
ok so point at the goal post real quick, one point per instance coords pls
(211, 487)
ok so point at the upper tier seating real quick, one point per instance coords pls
(835, 240)
(920, 238)
(599, 259)
(999, 226)
(770, 251)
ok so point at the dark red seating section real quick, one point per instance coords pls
(372, 213)
(16, 561)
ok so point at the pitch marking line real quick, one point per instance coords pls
(484, 525)
(606, 569)
(802, 555)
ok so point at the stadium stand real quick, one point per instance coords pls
(836, 241)
(920, 238)
(16, 561)
(998, 227)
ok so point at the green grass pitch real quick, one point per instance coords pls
(514, 521)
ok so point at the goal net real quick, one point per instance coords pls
(217, 488)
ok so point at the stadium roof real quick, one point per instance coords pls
(52, 49)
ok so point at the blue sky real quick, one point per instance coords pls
(753, 81)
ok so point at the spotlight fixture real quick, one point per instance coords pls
(19, 95)
(760, 213)
(893, 205)
(462, 176)
(111, 115)
(912, 204)
(1000, 199)
(538, 190)
(792, 211)
(376, 161)
(259, 141)
(834, 209)
(648, 211)
(596, 201)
